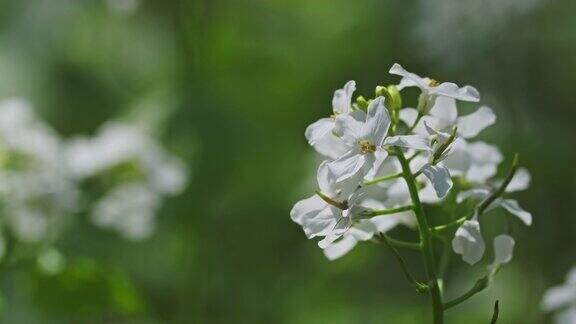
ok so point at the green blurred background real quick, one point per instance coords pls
(234, 83)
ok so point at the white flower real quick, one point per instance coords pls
(476, 161)
(130, 209)
(444, 117)
(432, 89)
(434, 146)
(562, 299)
(520, 181)
(468, 241)
(320, 134)
(35, 189)
(363, 135)
(318, 218)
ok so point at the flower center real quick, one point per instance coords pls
(433, 83)
(366, 147)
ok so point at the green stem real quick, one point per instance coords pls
(480, 285)
(384, 178)
(390, 211)
(425, 239)
(495, 315)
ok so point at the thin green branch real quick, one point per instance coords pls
(496, 311)
(389, 211)
(480, 285)
(420, 287)
(399, 243)
(331, 201)
(484, 204)
(418, 117)
(384, 178)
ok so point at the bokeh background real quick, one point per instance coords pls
(231, 86)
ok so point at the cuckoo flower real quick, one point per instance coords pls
(363, 136)
(320, 134)
(329, 213)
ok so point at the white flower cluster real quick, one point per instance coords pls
(35, 191)
(363, 188)
(132, 171)
(562, 300)
(41, 177)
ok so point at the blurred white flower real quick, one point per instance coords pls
(135, 173)
(35, 189)
(562, 300)
(124, 7)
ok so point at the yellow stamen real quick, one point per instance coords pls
(366, 147)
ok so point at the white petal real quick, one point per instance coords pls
(409, 79)
(377, 122)
(558, 297)
(363, 230)
(376, 161)
(306, 208)
(417, 142)
(339, 248)
(428, 194)
(514, 208)
(329, 239)
(342, 100)
(503, 249)
(317, 222)
(567, 316)
(468, 242)
(331, 146)
(449, 89)
(520, 181)
(479, 193)
(445, 112)
(571, 277)
(347, 166)
(384, 223)
(472, 124)
(319, 129)
(408, 116)
(440, 178)
(442, 136)
(349, 127)
(326, 180)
